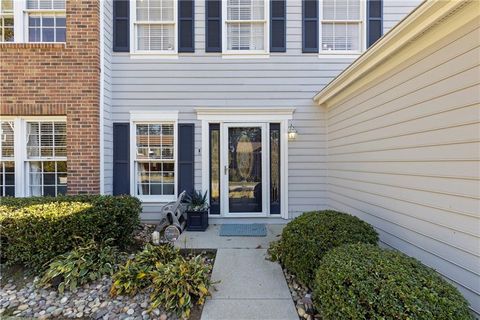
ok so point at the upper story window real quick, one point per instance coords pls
(6, 21)
(155, 25)
(246, 26)
(341, 25)
(32, 21)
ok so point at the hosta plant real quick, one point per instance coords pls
(135, 274)
(88, 262)
(176, 286)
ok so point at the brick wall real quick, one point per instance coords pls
(62, 79)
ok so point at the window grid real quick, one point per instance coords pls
(341, 25)
(155, 25)
(7, 157)
(6, 21)
(46, 140)
(46, 4)
(155, 159)
(245, 25)
(46, 163)
(47, 178)
(46, 27)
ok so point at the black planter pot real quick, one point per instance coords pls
(197, 220)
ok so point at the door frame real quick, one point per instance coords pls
(224, 181)
(225, 115)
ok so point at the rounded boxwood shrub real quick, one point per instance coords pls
(307, 238)
(361, 281)
(35, 230)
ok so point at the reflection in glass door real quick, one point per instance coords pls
(245, 174)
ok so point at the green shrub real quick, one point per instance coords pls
(308, 237)
(36, 230)
(88, 262)
(135, 274)
(179, 284)
(361, 281)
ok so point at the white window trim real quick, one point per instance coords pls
(247, 115)
(229, 54)
(20, 21)
(343, 53)
(145, 117)
(20, 149)
(173, 54)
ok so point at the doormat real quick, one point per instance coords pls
(243, 230)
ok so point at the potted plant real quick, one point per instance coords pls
(197, 211)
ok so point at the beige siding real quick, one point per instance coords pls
(403, 154)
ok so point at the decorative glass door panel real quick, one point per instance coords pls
(244, 160)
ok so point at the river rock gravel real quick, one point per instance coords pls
(91, 301)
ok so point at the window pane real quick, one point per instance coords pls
(7, 178)
(341, 36)
(7, 139)
(61, 190)
(245, 10)
(245, 36)
(341, 9)
(156, 37)
(155, 10)
(48, 22)
(48, 35)
(34, 35)
(6, 6)
(49, 191)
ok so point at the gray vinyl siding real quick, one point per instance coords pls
(202, 79)
(396, 10)
(404, 156)
(107, 96)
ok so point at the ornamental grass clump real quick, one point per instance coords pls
(88, 262)
(307, 238)
(361, 281)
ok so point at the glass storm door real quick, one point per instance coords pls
(245, 168)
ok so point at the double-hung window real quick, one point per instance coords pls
(155, 26)
(46, 20)
(46, 158)
(155, 157)
(341, 25)
(6, 21)
(32, 21)
(33, 158)
(7, 159)
(246, 26)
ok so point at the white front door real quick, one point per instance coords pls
(244, 167)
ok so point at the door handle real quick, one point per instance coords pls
(225, 170)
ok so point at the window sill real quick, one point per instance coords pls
(33, 45)
(339, 54)
(153, 55)
(245, 55)
(156, 199)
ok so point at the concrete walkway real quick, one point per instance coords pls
(250, 286)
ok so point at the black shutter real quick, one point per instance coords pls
(121, 26)
(278, 25)
(374, 21)
(121, 158)
(186, 22)
(186, 154)
(213, 25)
(310, 26)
